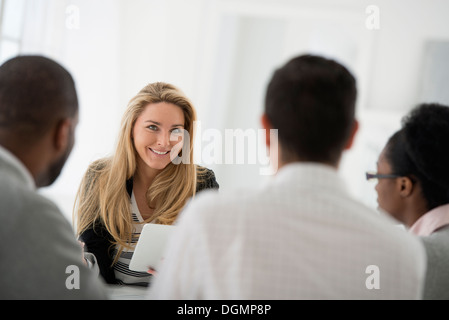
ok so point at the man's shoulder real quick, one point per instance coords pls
(20, 205)
(14, 193)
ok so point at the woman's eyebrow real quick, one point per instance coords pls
(158, 123)
(153, 122)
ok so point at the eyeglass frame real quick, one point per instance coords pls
(372, 175)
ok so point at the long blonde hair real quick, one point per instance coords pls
(102, 196)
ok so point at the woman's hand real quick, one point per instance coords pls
(152, 271)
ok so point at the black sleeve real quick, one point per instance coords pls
(206, 180)
(99, 242)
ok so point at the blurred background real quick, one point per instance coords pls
(221, 53)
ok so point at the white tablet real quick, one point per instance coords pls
(150, 248)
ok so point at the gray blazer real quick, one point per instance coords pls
(40, 257)
(437, 277)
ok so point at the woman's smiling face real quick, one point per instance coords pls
(152, 131)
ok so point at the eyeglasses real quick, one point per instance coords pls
(373, 175)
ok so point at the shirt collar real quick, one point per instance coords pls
(17, 165)
(315, 175)
(431, 221)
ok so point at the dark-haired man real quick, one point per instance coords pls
(38, 115)
(302, 236)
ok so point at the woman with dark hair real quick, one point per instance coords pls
(413, 187)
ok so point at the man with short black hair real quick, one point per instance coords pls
(41, 258)
(311, 101)
(301, 236)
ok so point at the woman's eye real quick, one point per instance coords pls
(176, 131)
(152, 127)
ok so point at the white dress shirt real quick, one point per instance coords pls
(301, 236)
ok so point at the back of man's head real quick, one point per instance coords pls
(311, 101)
(35, 92)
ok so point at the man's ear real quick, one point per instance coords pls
(266, 124)
(354, 129)
(62, 134)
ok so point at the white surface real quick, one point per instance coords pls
(150, 248)
(123, 292)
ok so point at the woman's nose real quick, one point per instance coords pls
(163, 140)
(376, 187)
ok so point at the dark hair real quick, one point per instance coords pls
(311, 101)
(34, 93)
(420, 150)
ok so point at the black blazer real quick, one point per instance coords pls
(99, 241)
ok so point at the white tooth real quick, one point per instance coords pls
(159, 152)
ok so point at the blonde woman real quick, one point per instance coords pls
(143, 182)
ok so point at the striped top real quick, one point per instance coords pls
(121, 268)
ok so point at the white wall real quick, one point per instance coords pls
(90, 51)
(221, 54)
